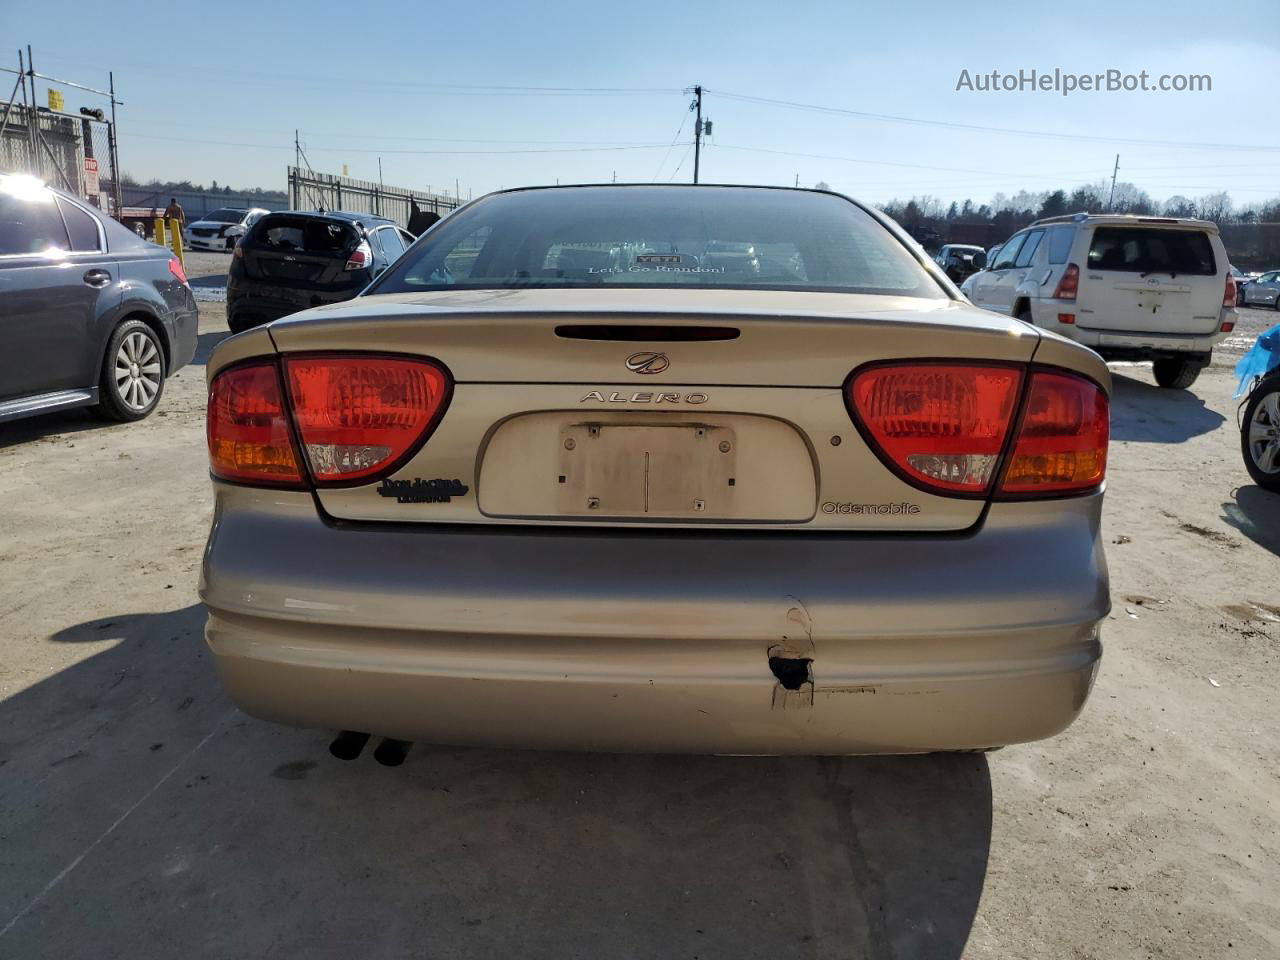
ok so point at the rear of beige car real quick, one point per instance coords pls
(663, 518)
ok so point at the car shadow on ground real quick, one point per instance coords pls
(51, 426)
(212, 281)
(1255, 513)
(1144, 413)
(144, 813)
(205, 344)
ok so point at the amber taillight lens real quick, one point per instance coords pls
(1061, 447)
(248, 429)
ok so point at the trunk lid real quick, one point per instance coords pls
(714, 408)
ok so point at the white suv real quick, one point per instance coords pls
(1132, 288)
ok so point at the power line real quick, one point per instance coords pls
(684, 118)
(956, 125)
(314, 149)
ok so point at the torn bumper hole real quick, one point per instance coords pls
(792, 672)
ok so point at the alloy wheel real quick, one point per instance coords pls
(137, 371)
(1264, 434)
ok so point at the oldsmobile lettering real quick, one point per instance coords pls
(644, 397)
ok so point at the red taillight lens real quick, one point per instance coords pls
(1229, 294)
(360, 416)
(248, 430)
(176, 269)
(361, 257)
(1069, 284)
(940, 426)
(1061, 445)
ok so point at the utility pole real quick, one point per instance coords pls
(113, 149)
(797, 181)
(1114, 171)
(697, 131)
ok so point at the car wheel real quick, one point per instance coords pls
(1176, 374)
(133, 373)
(1260, 435)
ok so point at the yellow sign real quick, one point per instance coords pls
(55, 100)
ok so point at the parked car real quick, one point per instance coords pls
(1262, 292)
(1132, 288)
(509, 497)
(90, 314)
(221, 229)
(1259, 373)
(957, 260)
(981, 262)
(294, 260)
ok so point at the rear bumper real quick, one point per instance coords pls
(642, 641)
(1121, 344)
(257, 301)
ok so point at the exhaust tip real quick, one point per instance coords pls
(391, 753)
(348, 744)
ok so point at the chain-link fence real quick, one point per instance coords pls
(65, 150)
(309, 190)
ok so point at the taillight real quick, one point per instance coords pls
(944, 427)
(1069, 284)
(360, 416)
(1229, 294)
(1061, 446)
(248, 429)
(940, 426)
(361, 257)
(176, 269)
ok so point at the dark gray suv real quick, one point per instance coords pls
(90, 314)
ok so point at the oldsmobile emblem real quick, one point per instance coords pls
(647, 362)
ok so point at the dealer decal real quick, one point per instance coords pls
(418, 490)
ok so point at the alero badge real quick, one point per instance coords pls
(647, 362)
(418, 490)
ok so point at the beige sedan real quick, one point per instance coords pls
(563, 477)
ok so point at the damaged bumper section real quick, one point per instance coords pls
(632, 640)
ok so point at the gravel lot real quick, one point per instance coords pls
(141, 815)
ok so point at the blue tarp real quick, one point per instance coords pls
(1262, 357)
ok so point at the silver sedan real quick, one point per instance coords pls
(1263, 292)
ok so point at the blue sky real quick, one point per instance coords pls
(223, 86)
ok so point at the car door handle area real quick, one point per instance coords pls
(97, 278)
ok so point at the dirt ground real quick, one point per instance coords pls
(141, 815)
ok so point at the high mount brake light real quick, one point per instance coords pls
(944, 427)
(248, 429)
(1062, 440)
(941, 426)
(357, 418)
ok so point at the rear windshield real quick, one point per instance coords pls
(304, 235)
(1144, 250)
(226, 215)
(725, 237)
